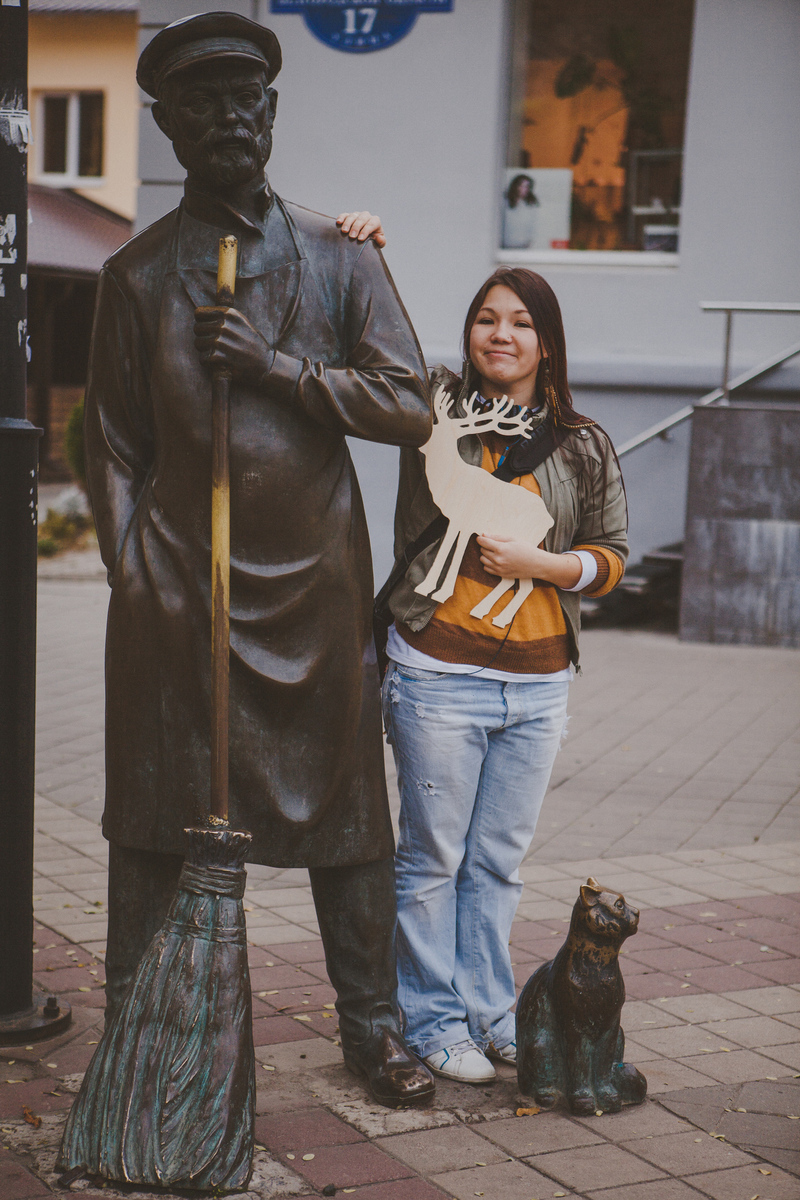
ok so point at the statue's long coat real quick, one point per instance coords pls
(306, 757)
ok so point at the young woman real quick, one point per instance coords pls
(475, 713)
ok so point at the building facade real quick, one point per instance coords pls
(83, 171)
(84, 99)
(663, 149)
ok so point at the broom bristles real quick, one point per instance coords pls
(169, 1096)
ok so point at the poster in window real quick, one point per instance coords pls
(536, 209)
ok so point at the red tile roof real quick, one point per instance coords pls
(70, 234)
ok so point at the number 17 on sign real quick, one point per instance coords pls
(367, 19)
(360, 28)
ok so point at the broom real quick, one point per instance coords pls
(169, 1096)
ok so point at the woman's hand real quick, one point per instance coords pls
(511, 559)
(361, 225)
(225, 338)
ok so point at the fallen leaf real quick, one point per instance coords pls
(329, 1006)
(266, 1068)
(84, 989)
(327, 1016)
(719, 1136)
(52, 1066)
(31, 1117)
(598, 1112)
(533, 1111)
(301, 1017)
(307, 1157)
(272, 992)
(291, 1156)
(744, 1110)
(764, 1171)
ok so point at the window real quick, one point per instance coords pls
(597, 113)
(71, 137)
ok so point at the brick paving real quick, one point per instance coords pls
(678, 785)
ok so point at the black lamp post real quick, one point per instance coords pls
(24, 1015)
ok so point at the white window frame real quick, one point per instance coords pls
(588, 258)
(69, 178)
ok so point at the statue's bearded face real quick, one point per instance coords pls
(219, 117)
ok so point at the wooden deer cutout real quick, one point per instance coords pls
(476, 502)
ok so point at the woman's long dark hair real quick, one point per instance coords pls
(514, 193)
(545, 311)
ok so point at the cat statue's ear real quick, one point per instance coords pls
(590, 891)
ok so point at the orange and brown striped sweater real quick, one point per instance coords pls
(537, 641)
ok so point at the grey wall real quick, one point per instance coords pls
(743, 530)
(417, 133)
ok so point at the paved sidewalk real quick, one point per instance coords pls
(678, 785)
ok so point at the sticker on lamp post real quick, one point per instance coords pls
(360, 28)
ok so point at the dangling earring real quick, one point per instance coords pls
(551, 395)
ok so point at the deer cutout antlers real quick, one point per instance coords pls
(475, 501)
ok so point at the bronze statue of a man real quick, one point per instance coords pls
(319, 347)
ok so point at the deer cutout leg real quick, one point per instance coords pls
(449, 584)
(506, 615)
(432, 578)
(488, 602)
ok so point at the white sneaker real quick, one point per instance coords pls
(506, 1054)
(463, 1062)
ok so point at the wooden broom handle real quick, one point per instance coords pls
(221, 552)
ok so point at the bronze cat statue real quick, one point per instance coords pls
(569, 1041)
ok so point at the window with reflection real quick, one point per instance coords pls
(597, 115)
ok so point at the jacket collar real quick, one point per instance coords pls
(204, 206)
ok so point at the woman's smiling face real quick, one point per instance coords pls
(504, 347)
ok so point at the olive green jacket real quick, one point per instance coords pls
(571, 483)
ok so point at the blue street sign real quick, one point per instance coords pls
(360, 28)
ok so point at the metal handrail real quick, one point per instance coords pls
(729, 307)
(728, 385)
(684, 414)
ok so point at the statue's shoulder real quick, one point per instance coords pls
(311, 222)
(321, 233)
(140, 263)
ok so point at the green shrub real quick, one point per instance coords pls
(62, 531)
(73, 445)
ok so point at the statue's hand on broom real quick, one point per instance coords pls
(228, 342)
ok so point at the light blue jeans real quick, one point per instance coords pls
(473, 758)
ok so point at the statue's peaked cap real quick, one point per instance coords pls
(201, 37)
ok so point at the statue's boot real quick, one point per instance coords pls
(357, 914)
